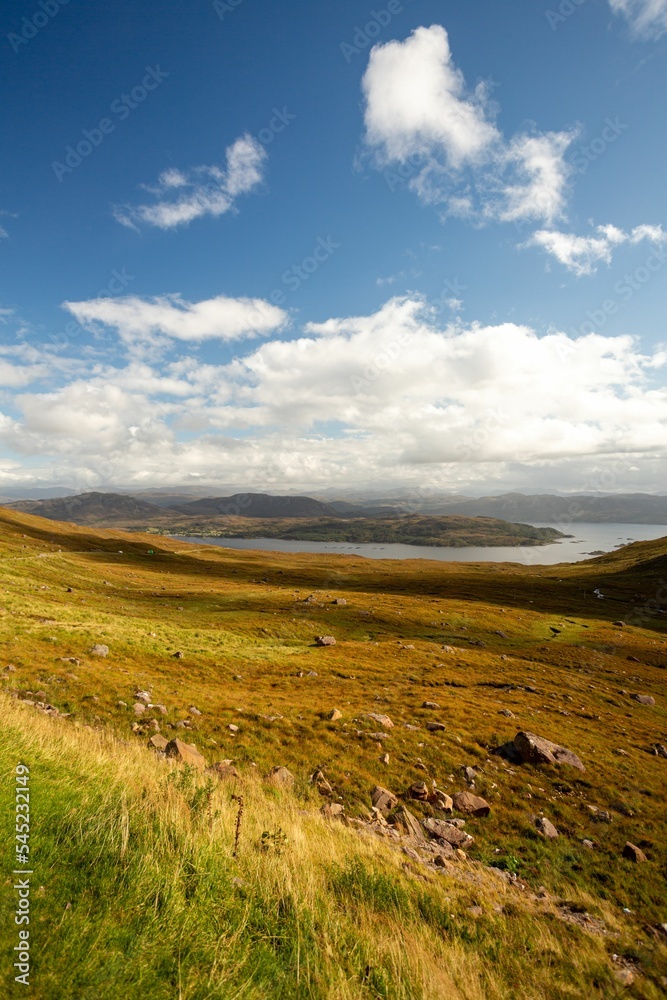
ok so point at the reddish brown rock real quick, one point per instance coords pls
(633, 853)
(383, 799)
(158, 742)
(403, 820)
(185, 752)
(281, 777)
(474, 805)
(442, 831)
(225, 771)
(534, 749)
(418, 791)
(644, 699)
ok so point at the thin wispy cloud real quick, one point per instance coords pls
(647, 18)
(153, 323)
(583, 254)
(183, 196)
(420, 117)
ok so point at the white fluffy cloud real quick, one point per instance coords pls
(152, 321)
(390, 396)
(184, 196)
(647, 18)
(423, 123)
(582, 254)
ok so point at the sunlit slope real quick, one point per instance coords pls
(533, 641)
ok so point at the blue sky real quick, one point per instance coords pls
(334, 244)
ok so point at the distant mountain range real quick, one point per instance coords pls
(121, 508)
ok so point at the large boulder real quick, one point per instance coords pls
(443, 831)
(403, 820)
(187, 753)
(281, 777)
(383, 799)
(534, 749)
(158, 742)
(473, 805)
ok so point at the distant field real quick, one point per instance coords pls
(222, 637)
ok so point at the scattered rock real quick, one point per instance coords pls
(158, 742)
(340, 601)
(334, 715)
(233, 728)
(281, 777)
(99, 649)
(333, 810)
(466, 802)
(382, 720)
(143, 696)
(325, 640)
(63, 659)
(178, 655)
(139, 708)
(403, 820)
(430, 704)
(383, 799)
(440, 800)
(159, 708)
(619, 624)
(448, 649)
(470, 774)
(536, 750)
(121, 704)
(418, 791)
(185, 752)
(224, 770)
(626, 977)
(600, 815)
(436, 727)
(589, 844)
(384, 759)
(546, 827)
(658, 750)
(193, 710)
(644, 699)
(633, 853)
(506, 712)
(445, 832)
(323, 786)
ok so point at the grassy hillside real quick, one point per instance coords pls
(144, 860)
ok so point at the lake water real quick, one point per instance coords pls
(587, 538)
